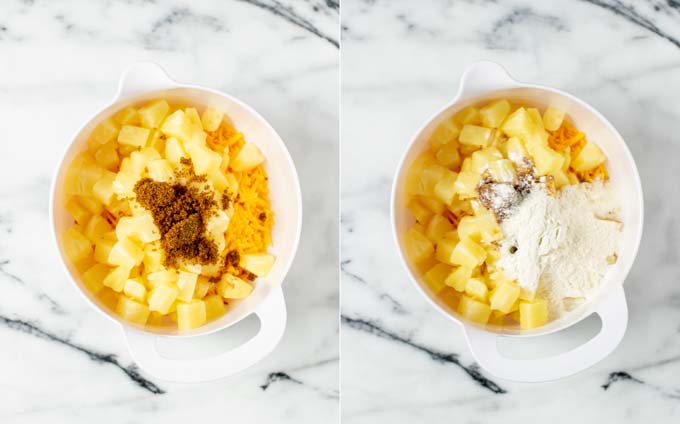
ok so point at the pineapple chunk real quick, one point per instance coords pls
(468, 254)
(91, 204)
(560, 179)
(552, 118)
(103, 189)
(146, 155)
(546, 160)
(204, 159)
(140, 228)
(477, 289)
(191, 315)
(445, 247)
(96, 227)
(469, 115)
(503, 171)
(107, 156)
(102, 248)
(474, 310)
(445, 133)
(515, 151)
(258, 263)
(135, 289)
(588, 158)
(214, 307)
(448, 155)
(536, 117)
(533, 314)
(132, 311)
(473, 135)
(482, 227)
(435, 277)
(133, 136)
(232, 287)
(128, 116)
(420, 212)
(93, 277)
(482, 159)
(186, 283)
(160, 170)
(179, 126)
(174, 151)
(437, 227)
(152, 114)
(428, 177)
(166, 277)
(494, 113)
(519, 124)
(105, 132)
(211, 119)
(153, 258)
(126, 253)
(458, 278)
(157, 140)
(77, 211)
(202, 287)
(445, 188)
(162, 298)
(76, 246)
(116, 278)
(192, 115)
(504, 297)
(466, 184)
(247, 158)
(82, 174)
(155, 319)
(417, 245)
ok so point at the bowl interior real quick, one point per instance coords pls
(623, 177)
(284, 195)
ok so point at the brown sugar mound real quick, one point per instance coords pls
(179, 211)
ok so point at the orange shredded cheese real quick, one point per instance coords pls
(568, 137)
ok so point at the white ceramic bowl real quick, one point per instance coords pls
(146, 81)
(484, 81)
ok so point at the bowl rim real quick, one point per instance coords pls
(584, 310)
(118, 98)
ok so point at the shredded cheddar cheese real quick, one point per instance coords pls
(568, 137)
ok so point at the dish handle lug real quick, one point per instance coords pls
(142, 77)
(483, 77)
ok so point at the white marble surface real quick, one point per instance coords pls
(61, 362)
(402, 361)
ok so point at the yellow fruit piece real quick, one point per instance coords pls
(179, 126)
(218, 179)
(435, 277)
(166, 277)
(103, 189)
(102, 248)
(258, 263)
(469, 115)
(458, 278)
(96, 227)
(473, 135)
(519, 124)
(466, 184)
(247, 158)
(211, 119)
(132, 311)
(160, 170)
(139, 228)
(94, 276)
(552, 118)
(204, 159)
(135, 289)
(573, 179)
(420, 212)
(504, 297)
(468, 254)
(107, 156)
(437, 227)
(202, 287)
(186, 283)
(588, 158)
(450, 297)
(192, 115)
(77, 211)
(546, 160)
(133, 136)
(116, 278)
(477, 289)
(474, 310)
(414, 174)
(155, 319)
(448, 155)
(428, 178)
(533, 314)
(445, 188)
(503, 171)
(152, 114)
(418, 247)
(514, 150)
(174, 151)
(105, 132)
(445, 247)
(446, 132)
(214, 307)
(162, 297)
(232, 287)
(91, 204)
(536, 117)
(560, 179)
(126, 253)
(82, 174)
(494, 113)
(482, 159)
(76, 246)
(153, 258)
(128, 116)
(191, 315)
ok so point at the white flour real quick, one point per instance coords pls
(562, 243)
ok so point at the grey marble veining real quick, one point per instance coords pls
(60, 62)
(404, 362)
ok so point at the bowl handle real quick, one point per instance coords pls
(141, 77)
(614, 314)
(272, 315)
(482, 77)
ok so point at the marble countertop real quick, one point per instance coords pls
(402, 361)
(60, 361)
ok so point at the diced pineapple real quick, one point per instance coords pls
(536, 117)
(155, 319)
(560, 179)
(435, 277)
(519, 124)
(503, 171)
(202, 286)
(124, 184)
(552, 118)
(418, 246)
(232, 287)
(445, 188)
(216, 227)
(258, 263)
(186, 283)
(103, 189)
(473, 135)
(474, 310)
(105, 132)
(468, 254)
(134, 288)
(477, 289)
(218, 179)
(93, 277)
(76, 246)
(247, 158)
(132, 311)
(167, 277)
(174, 151)
(140, 227)
(77, 211)
(458, 278)
(482, 159)
(214, 306)
(133, 136)
(494, 113)
(116, 278)
(128, 116)
(588, 158)
(420, 212)
(102, 248)
(445, 132)
(160, 170)
(533, 314)
(448, 155)
(179, 126)
(211, 119)
(428, 177)
(126, 253)
(437, 227)
(107, 156)
(162, 297)
(191, 315)
(96, 227)
(204, 159)
(192, 115)
(444, 248)
(91, 204)
(481, 227)
(546, 160)
(504, 297)
(83, 173)
(153, 258)
(152, 114)
(157, 140)
(573, 179)
(515, 151)
(466, 184)
(469, 115)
